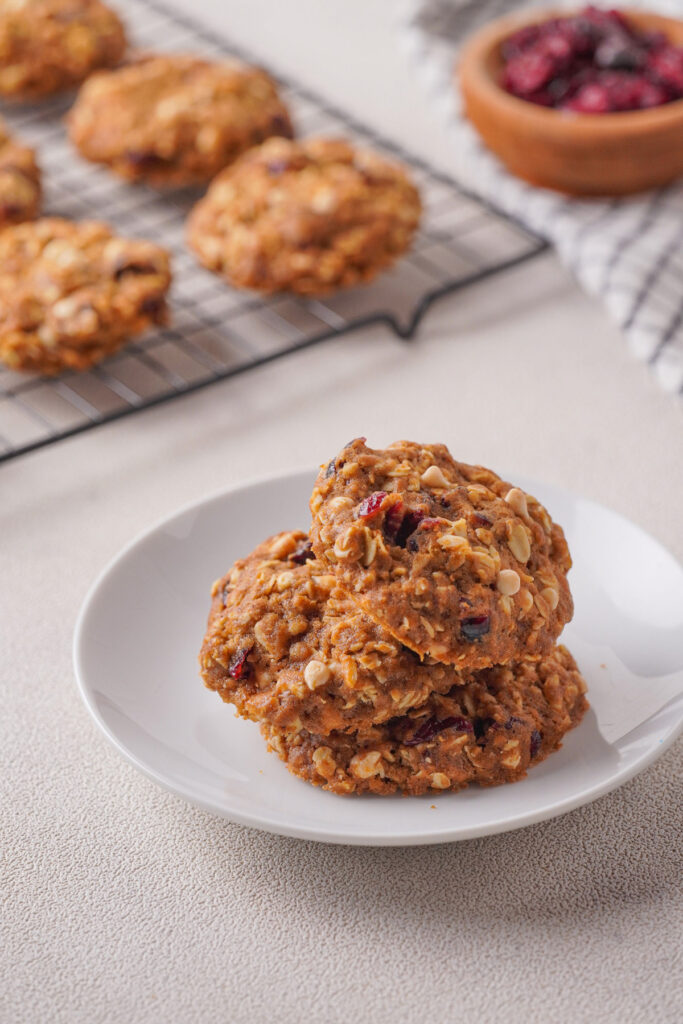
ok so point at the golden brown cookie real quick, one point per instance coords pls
(73, 293)
(50, 45)
(306, 217)
(283, 642)
(174, 119)
(450, 559)
(492, 730)
(20, 191)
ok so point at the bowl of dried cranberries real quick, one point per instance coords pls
(587, 103)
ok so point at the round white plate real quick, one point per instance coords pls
(141, 626)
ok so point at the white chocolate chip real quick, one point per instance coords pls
(508, 581)
(433, 477)
(316, 674)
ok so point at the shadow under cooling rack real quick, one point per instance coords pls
(217, 332)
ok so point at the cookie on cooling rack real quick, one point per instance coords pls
(174, 119)
(285, 643)
(73, 293)
(50, 45)
(20, 190)
(502, 722)
(306, 217)
(450, 559)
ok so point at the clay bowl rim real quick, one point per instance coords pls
(480, 55)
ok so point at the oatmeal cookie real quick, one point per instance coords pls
(284, 643)
(453, 561)
(175, 119)
(489, 731)
(20, 191)
(50, 45)
(72, 293)
(306, 217)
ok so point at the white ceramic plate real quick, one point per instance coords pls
(140, 628)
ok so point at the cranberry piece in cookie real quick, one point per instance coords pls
(453, 561)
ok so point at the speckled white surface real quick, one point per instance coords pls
(122, 904)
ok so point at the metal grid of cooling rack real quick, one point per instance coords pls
(216, 331)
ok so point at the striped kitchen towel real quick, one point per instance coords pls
(629, 252)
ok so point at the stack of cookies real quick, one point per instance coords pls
(409, 642)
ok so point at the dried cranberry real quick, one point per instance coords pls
(654, 40)
(482, 726)
(277, 166)
(411, 521)
(528, 73)
(371, 505)
(8, 211)
(122, 267)
(475, 626)
(590, 99)
(616, 52)
(479, 519)
(426, 523)
(615, 91)
(393, 520)
(520, 41)
(281, 126)
(302, 553)
(399, 524)
(666, 67)
(146, 159)
(513, 720)
(535, 742)
(432, 727)
(239, 667)
(153, 306)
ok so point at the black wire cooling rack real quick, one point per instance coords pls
(216, 331)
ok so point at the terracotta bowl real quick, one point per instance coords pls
(580, 154)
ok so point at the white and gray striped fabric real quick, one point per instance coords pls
(629, 252)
